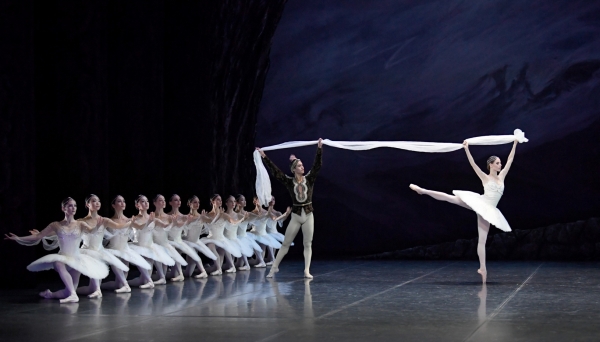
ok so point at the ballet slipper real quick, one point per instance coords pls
(416, 188)
(272, 272)
(261, 265)
(231, 270)
(244, 268)
(307, 275)
(160, 281)
(216, 273)
(201, 275)
(178, 278)
(483, 275)
(270, 263)
(46, 294)
(124, 289)
(148, 285)
(71, 299)
(95, 294)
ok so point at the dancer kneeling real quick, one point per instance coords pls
(483, 205)
(69, 262)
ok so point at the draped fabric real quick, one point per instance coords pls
(263, 183)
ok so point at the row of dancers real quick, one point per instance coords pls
(156, 240)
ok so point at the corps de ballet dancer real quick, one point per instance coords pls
(193, 231)
(92, 246)
(231, 233)
(242, 234)
(118, 243)
(259, 232)
(483, 205)
(301, 189)
(272, 223)
(216, 240)
(175, 237)
(163, 223)
(145, 246)
(68, 262)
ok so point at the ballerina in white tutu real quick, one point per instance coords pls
(193, 230)
(483, 205)
(118, 246)
(145, 246)
(231, 233)
(216, 240)
(92, 246)
(68, 262)
(242, 235)
(259, 232)
(272, 223)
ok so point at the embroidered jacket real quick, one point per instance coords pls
(301, 192)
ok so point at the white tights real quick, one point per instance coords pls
(307, 223)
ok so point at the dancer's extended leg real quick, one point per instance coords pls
(290, 233)
(308, 229)
(161, 273)
(440, 196)
(483, 227)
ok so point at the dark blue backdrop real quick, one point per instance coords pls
(436, 71)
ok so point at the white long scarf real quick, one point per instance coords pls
(263, 182)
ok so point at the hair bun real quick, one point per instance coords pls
(292, 157)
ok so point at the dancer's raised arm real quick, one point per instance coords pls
(279, 175)
(35, 235)
(312, 174)
(509, 162)
(478, 171)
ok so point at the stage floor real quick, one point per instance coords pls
(346, 301)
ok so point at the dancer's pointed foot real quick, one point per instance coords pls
(124, 289)
(231, 270)
(416, 188)
(95, 294)
(201, 275)
(272, 272)
(178, 278)
(161, 281)
(307, 274)
(483, 275)
(216, 273)
(261, 265)
(148, 285)
(46, 294)
(71, 299)
(269, 263)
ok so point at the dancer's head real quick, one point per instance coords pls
(215, 200)
(68, 206)
(241, 202)
(118, 203)
(159, 202)
(296, 165)
(142, 203)
(92, 202)
(175, 201)
(230, 203)
(494, 164)
(193, 203)
(256, 201)
(272, 201)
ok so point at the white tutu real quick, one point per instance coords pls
(105, 256)
(227, 245)
(277, 236)
(265, 239)
(250, 242)
(485, 205)
(154, 252)
(86, 265)
(201, 247)
(185, 249)
(130, 256)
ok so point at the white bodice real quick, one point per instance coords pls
(492, 192)
(160, 235)
(216, 229)
(93, 239)
(119, 238)
(194, 230)
(230, 230)
(69, 241)
(145, 238)
(260, 225)
(271, 225)
(242, 228)
(175, 234)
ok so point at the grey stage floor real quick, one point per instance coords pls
(346, 301)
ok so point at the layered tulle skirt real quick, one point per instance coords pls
(108, 258)
(265, 239)
(131, 256)
(201, 247)
(85, 264)
(154, 252)
(483, 208)
(229, 246)
(185, 249)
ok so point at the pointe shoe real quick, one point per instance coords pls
(161, 281)
(178, 278)
(269, 263)
(124, 289)
(272, 272)
(148, 285)
(231, 270)
(416, 188)
(483, 275)
(261, 265)
(95, 294)
(244, 268)
(201, 275)
(46, 294)
(307, 275)
(71, 299)
(216, 273)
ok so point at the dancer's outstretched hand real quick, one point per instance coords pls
(34, 232)
(466, 144)
(320, 143)
(99, 221)
(10, 236)
(151, 217)
(262, 154)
